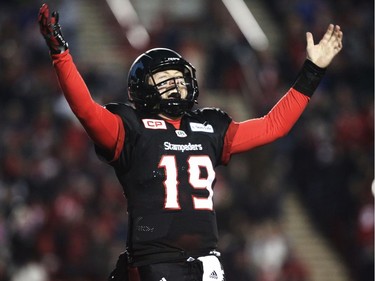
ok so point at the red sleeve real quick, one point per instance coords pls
(243, 136)
(103, 127)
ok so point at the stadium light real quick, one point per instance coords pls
(127, 17)
(247, 24)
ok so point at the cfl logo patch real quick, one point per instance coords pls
(181, 134)
(154, 124)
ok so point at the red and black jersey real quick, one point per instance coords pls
(167, 168)
(168, 176)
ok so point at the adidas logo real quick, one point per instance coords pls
(213, 275)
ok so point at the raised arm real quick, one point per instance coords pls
(103, 127)
(281, 118)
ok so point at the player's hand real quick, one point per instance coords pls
(51, 30)
(329, 46)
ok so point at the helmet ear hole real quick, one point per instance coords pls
(146, 96)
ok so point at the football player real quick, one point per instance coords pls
(165, 153)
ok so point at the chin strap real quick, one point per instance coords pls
(175, 107)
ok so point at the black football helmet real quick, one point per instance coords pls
(146, 97)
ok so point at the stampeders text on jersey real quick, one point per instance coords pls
(182, 147)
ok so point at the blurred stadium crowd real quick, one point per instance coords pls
(62, 212)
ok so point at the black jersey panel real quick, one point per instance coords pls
(219, 120)
(131, 126)
(168, 177)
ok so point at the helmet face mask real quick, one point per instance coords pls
(146, 94)
(170, 84)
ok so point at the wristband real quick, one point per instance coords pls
(309, 78)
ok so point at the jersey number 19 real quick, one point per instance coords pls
(195, 163)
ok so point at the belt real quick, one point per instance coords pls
(177, 256)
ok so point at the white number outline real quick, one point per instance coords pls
(195, 162)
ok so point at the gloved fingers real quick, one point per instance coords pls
(43, 11)
(51, 31)
(55, 18)
(43, 18)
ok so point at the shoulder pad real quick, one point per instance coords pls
(118, 108)
(211, 112)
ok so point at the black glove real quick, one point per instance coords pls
(51, 30)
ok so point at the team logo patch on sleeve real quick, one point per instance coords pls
(199, 127)
(154, 124)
